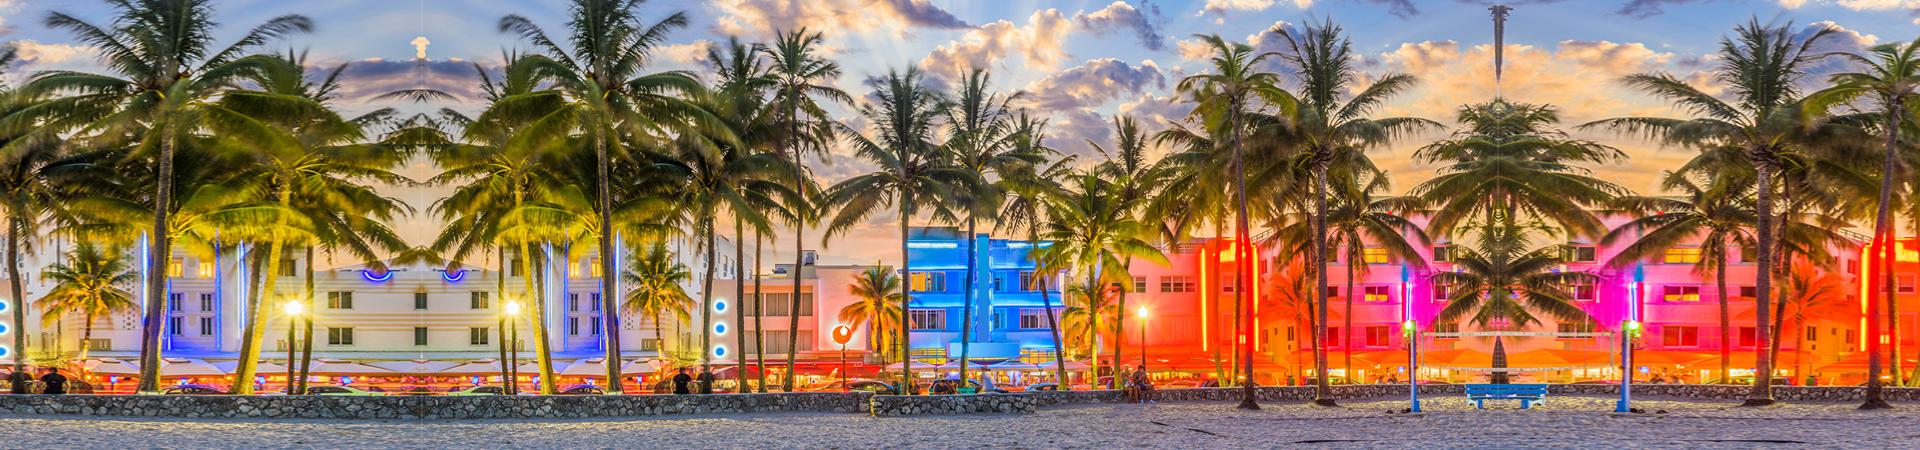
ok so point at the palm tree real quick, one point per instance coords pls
(1505, 282)
(911, 174)
(1816, 293)
(1091, 313)
(803, 74)
(1231, 89)
(1892, 78)
(1137, 181)
(88, 284)
(1359, 216)
(1093, 233)
(1508, 158)
(611, 99)
(1720, 221)
(165, 74)
(1331, 130)
(25, 188)
(1028, 193)
(981, 134)
(877, 305)
(657, 294)
(1762, 66)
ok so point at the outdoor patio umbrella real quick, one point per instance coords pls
(481, 367)
(176, 367)
(415, 367)
(639, 367)
(1014, 365)
(263, 368)
(955, 365)
(110, 366)
(590, 367)
(348, 368)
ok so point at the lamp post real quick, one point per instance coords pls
(842, 334)
(1142, 313)
(293, 309)
(1628, 330)
(512, 368)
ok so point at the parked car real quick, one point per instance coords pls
(343, 391)
(478, 390)
(1180, 384)
(192, 389)
(857, 384)
(583, 389)
(1043, 387)
(925, 387)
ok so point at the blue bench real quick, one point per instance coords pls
(1525, 393)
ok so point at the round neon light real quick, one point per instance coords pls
(720, 305)
(381, 278)
(5, 351)
(719, 328)
(454, 276)
(5, 305)
(5, 328)
(720, 351)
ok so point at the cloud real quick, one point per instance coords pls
(1120, 15)
(1398, 8)
(1094, 83)
(420, 46)
(365, 79)
(34, 52)
(1221, 7)
(686, 53)
(1072, 129)
(1641, 9)
(1193, 49)
(1041, 43)
(762, 17)
(1155, 113)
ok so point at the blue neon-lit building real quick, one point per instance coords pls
(1008, 314)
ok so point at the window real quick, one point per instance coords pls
(173, 326)
(1748, 336)
(1441, 292)
(573, 301)
(1749, 254)
(206, 270)
(1442, 253)
(1033, 318)
(594, 267)
(173, 301)
(513, 267)
(1377, 336)
(1029, 281)
(419, 336)
(1378, 293)
(1904, 283)
(1333, 291)
(286, 267)
(477, 336)
(1582, 254)
(1813, 334)
(420, 301)
(777, 304)
(1584, 326)
(927, 281)
(477, 300)
(593, 327)
(573, 326)
(1683, 255)
(1229, 282)
(340, 300)
(1749, 292)
(1680, 337)
(1289, 333)
(1680, 293)
(649, 345)
(929, 319)
(176, 267)
(593, 303)
(206, 326)
(1333, 337)
(1177, 283)
(1139, 284)
(206, 303)
(1373, 255)
(339, 336)
(1446, 327)
(1583, 292)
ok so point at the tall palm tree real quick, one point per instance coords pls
(912, 175)
(25, 187)
(1816, 293)
(877, 306)
(1092, 233)
(1720, 221)
(1333, 126)
(1762, 66)
(87, 284)
(1028, 193)
(165, 73)
(1359, 216)
(804, 75)
(1506, 282)
(1891, 77)
(612, 99)
(1234, 86)
(1509, 158)
(980, 125)
(1137, 180)
(657, 293)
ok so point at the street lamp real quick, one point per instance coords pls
(512, 365)
(293, 309)
(1142, 313)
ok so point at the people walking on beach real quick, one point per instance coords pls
(680, 382)
(706, 380)
(20, 379)
(56, 383)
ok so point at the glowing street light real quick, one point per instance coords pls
(1142, 314)
(293, 309)
(511, 367)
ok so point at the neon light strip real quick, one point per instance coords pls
(381, 278)
(1253, 255)
(932, 245)
(454, 276)
(1205, 314)
(1866, 275)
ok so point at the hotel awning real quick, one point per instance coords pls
(330, 367)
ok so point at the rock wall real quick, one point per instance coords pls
(475, 407)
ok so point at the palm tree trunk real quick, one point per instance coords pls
(86, 340)
(1499, 360)
(1727, 339)
(158, 255)
(1046, 302)
(537, 307)
(739, 320)
(759, 307)
(1800, 348)
(706, 290)
(1093, 331)
(1346, 328)
(1321, 394)
(14, 285)
(1120, 321)
(1242, 263)
(500, 322)
(306, 343)
(1762, 393)
(906, 301)
(799, 240)
(609, 309)
(1883, 236)
(256, 308)
(966, 309)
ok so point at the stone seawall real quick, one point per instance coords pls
(474, 407)
(895, 406)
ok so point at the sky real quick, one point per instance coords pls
(1079, 63)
